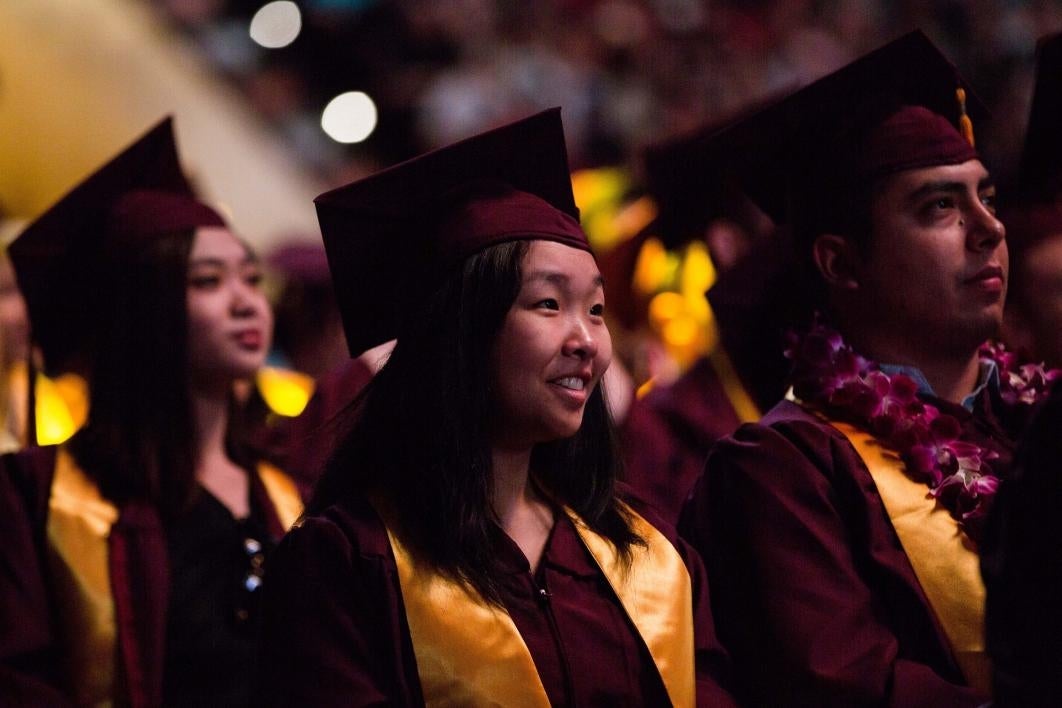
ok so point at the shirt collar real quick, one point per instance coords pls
(987, 377)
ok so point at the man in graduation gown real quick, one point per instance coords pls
(838, 578)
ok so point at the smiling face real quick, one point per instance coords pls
(552, 348)
(230, 323)
(936, 265)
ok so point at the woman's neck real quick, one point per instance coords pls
(214, 470)
(522, 513)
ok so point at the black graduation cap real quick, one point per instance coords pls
(139, 192)
(388, 236)
(688, 193)
(1040, 175)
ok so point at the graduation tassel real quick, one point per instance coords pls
(965, 124)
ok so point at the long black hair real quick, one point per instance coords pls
(419, 435)
(139, 440)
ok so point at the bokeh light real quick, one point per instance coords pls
(276, 24)
(349, 117)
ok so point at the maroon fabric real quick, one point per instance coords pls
(303, 445)
(1029, 224)
(510, 215)
(910, 138)
(28, 657)
(140, 585)
(145, 213)
(336, 633)
(812, 592)
(667, 435)
(29, 640)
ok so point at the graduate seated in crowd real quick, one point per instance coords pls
(841, 533)
(1033, 216)
(1022, 549)
(132, 554)
(468, 544)
(668, 432)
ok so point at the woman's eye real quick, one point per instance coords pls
(204, 282)
(253, 279)
(548, 304)
(597, 310)
(989, 200)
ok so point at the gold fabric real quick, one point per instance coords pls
(79, 524)
(657, 594)
(746, 409)
(287, 501)
(469, 652)
(944, 559)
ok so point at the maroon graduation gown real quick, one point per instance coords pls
(336, 632)
(139, 574)
(667, 435)
(812, 591)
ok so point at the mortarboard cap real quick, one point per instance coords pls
(688, 193)
(392, 234)
(140, 193)
(1040, 175)
(894, 109)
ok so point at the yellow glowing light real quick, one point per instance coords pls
(61, 408)
(276, 24)
(286, 392)
(349, 117)
(635, 216)
(698, 273)
(599, 195)
(653, 267)
(665, 307)
(680, 332)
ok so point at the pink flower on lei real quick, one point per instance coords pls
(829, 376)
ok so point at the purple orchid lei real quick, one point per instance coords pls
(828, 376)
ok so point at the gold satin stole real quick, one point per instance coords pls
(78, 529)
(943, 557)
(469, 652)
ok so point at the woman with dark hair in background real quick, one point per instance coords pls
(467, 544)
(132, 554)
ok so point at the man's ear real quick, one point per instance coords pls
(837, 261)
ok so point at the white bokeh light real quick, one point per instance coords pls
(276, 24)
(349, 117)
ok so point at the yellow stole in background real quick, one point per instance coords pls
(469, 652)
(78, 529)
(944, 559)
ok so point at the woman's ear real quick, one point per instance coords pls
(837, 261)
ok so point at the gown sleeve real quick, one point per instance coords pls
(334, 631)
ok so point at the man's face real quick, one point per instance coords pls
(936, 265)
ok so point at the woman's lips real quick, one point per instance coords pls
(249, 339)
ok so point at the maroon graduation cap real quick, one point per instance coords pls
(140, 193)
(392, 235)
(900, 107)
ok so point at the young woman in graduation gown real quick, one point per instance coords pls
(468, 544)
(132, 553)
